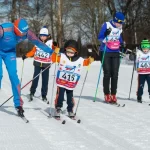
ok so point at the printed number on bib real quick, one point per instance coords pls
(144, 65)
(68, 77)
(42, 54)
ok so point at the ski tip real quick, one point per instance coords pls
(79, 121)
(123, 105)
(27, 121)
(64, 121)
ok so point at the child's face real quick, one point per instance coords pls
(70, 53)
(145, 50)
(118, 25)
(43, 38)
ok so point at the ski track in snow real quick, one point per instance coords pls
(102, 127)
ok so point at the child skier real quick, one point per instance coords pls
(41, 61)
(143, 68)
(111, 40)
(68, 75)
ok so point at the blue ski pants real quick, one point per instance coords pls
(9, 59)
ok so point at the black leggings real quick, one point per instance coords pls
(111, 68)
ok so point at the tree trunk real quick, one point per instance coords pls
(60, 22)
(52, 20)
(14, 10)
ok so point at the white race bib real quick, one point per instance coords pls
(42, 54)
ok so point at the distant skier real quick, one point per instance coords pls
(10, 35)
(143, 68)
(111, 43)
(42, 60)
(68, 75)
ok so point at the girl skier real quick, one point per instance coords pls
(111, 40)
(41, 61)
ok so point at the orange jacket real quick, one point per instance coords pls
(31, 52)
(56, 58)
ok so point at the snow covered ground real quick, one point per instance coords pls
(102, 127)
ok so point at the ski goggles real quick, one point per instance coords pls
(145, 46)
(70, 52)
(120, 21)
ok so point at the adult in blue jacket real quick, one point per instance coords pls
(10, 35)
(111, 40)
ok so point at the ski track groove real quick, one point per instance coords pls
(99, 131)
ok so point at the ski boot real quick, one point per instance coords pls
(139, 99)
(20, 111)
(57, 113)
(44, 98)
(71, 115)
(113, 99)
(31, 97)
(107, 98)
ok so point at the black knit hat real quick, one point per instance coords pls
(71, 44)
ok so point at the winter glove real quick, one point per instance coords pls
(107, 32)
(122, 46)
(57, 50)
(24, 57)
(91, 59)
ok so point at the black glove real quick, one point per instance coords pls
(24, 57)
(122, 46)
(107, 32)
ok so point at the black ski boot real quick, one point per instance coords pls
(139, 99)
(57, 113)
(31, 97)
(20, 111)
(71, 115)
(44, 98)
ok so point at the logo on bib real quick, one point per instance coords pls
(70, 68)
(145, 58)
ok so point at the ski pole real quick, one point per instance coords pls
(100, 71)
(132, 78)
(82, 89)
(50, 109)
(22, 73)
(26, 85)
